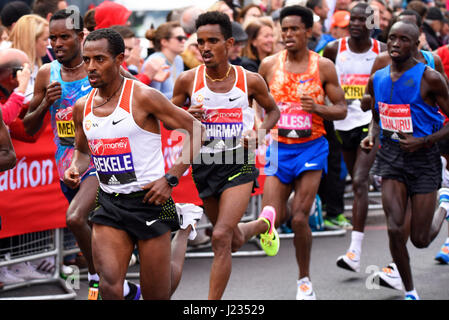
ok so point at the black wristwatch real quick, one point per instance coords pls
(171, 180)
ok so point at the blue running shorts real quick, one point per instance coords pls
(288, 161)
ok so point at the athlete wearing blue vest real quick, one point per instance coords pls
(406, 96)
(389, 276)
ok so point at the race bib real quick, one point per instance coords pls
(354, 85)
(65, 126)
(113, 160)
(294, 122)
(395, 118)
(223, 123)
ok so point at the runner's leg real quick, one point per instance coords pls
(232, 205)
(155, 271)
(394, 202)
(112, 249)
(306, 188)
(77, 213)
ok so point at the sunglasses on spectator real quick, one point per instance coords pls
(181, 38)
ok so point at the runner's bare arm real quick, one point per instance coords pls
(338, 109)
(258, 90)
(7, 153)
(181, 94)
(330, 51)
(439, 67)
(81, 155)
(434, 91)
(155, 103)
(45, 94)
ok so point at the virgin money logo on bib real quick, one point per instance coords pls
(223, 123)
(113, 160)
(396, 117)
(65, 126)
(354, 85)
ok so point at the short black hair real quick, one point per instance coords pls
(116, 45)
(312, 4)
(410, 12)
(215, 17)
(305, 13)
(412, 27)
(64, 14)
(363, 6)
(12, 11)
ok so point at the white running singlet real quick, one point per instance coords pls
(353, 70)
(227, 115)
(126, 156)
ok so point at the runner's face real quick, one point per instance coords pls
(357, 24)
(66, 43)
(294, 33)
(102, 68)
(212, 45)
(400, 43)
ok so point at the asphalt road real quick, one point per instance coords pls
(258, 277)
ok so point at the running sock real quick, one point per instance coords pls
(94, 277)
(445, 206)
(356, 242)
(125, 288)
(447, 241)
(413, 293)
(302, 280)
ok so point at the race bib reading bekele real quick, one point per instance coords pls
(113, 160)
(294, 122)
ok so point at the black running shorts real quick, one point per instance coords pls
(420, 171)
(140, 220)
(231, 168)
(350, 140)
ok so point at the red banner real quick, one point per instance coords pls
(30, 196)
(31, 199)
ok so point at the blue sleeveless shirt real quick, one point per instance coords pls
(400, 105)
(61, 116)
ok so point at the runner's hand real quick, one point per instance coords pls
(72, 178)
(249, 140)
(158, 192)
(367, 143)
(53, 93)
(196, 111)
(308, 104)
(409, 143)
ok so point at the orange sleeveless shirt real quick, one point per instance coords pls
(287, 89)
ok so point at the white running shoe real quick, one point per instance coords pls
(305, 290)
(6, 277)
(349, 261)
(26, 271)
(189, 214)
(389, 277)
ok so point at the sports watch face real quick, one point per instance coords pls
(172, 180)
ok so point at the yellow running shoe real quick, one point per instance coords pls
(269, 240)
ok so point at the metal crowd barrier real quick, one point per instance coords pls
(29, 247)
(60, 243)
